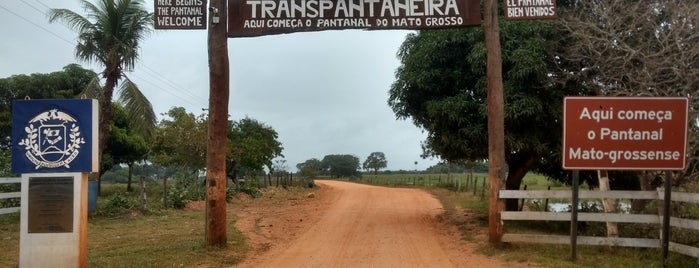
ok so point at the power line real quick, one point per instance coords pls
(37, 25)
(149, 71)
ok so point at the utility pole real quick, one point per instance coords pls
(496, 121)
(218, 124)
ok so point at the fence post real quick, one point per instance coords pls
(524, 200)
(546, 202)
(475, 185)
(144, 207)
(667, 200)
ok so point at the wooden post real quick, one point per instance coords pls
(667, 200)
(496, 121)
(546, 202)
(218, 125)
(574, 217)
(142, 195)
(165, 192)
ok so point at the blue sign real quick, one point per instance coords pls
(54, 136)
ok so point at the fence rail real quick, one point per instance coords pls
(10, 195)
(600, 217)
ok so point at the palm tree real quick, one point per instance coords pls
(110, 34)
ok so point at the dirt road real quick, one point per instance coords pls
(355, 225)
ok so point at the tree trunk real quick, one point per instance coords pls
(105, 117)
(165, 192)
(218, 126)
(144, 207)
(638, 205)
(519, 166)
(608, 203)
(128, 185)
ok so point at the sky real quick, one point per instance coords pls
(323, 92)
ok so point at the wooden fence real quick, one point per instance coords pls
(459, 183)
(601, 217)
(9, 195)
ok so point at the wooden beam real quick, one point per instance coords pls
(218, 126)
(496, 120)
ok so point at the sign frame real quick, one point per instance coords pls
(188, 12)
(620, 150)
(321, 15)
(55, 135)
(511, 10)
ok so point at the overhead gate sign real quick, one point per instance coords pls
(179, 14)
(625, 133)
(266, 17)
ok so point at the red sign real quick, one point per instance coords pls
(625, 133)
(179, 14)
(530, 9)
(266, 17)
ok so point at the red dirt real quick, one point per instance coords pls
(354, 225)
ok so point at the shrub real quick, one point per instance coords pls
(117, 203)
(177, 197)
(8, 188)
(252, 189)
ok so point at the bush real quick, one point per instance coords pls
(177, 197)
(117, 203)
(251, 188)
(9, 188)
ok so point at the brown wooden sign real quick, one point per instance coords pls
(530, 9)
(625, 133)
(266, 17)
(180, 14)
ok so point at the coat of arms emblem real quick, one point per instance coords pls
(52, 139)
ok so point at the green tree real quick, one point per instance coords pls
(67, 83)
(337, 165)
(637, 48)
(5, 163)
(310, 169)
(110, 34)
(441, 86)
(252, 146)
(125, 144)
(375, 161)
(180, 140)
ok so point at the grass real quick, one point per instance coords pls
(474, 228)
(175, 238)
(546, 255)
(157, 238)
(171, 239)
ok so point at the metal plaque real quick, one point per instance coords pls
(50, 205)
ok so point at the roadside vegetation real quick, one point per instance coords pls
(469, 212)
(120, 234)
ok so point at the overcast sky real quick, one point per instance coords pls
(323, 92)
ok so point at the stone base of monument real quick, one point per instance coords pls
(53, 227)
